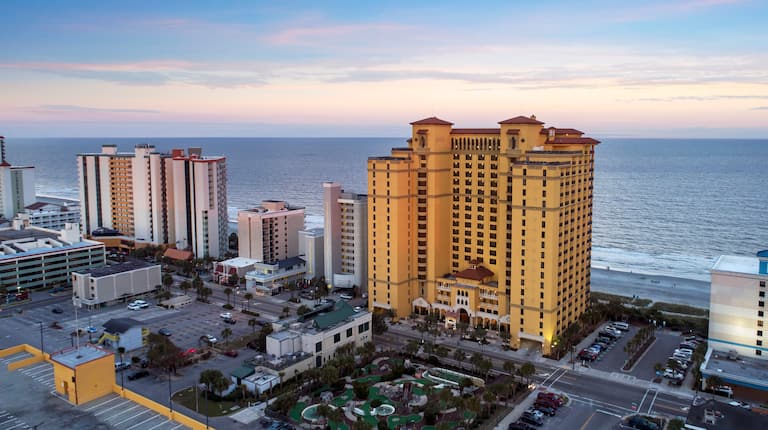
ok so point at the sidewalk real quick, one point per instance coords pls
(517, 411)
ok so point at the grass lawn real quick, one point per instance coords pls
(343, 398)
(186, 397)
(295, 412)
(395, 421)
(369, 379)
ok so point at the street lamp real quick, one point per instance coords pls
(573, 361)
(42, 345)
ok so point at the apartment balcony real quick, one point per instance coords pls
(488, 296)
(515, 153)
(441, 287)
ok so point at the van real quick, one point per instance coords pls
(723, 390)
(620, 325)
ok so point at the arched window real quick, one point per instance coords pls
(513, 142)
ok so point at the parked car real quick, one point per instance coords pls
(226, 315)
(138, 375)
(519, 426)
(621, 325)
(346, 296)
(641, 423)
(138, 304)
(122, 365)
(605, 339)
(164, 331)
(610, 334)
(57, 310)
(209, 339)
(723, 390)
(546, 410)
(231, 353)
(532, 419)
(671, 374)
(230, 320)
(552, 396)
(544, 402)
(587, 355)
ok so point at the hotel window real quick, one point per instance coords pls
(761, 304)
(758, 352)
(760, 313)
(759, 343)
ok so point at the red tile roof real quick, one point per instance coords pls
(433, 120)
(573, 141)
(521, 120)
(477, 274)
(475, 131)
(177, 254)
(561, 131)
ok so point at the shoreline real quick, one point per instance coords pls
(657, 288)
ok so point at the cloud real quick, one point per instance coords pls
(665, 8)
(151, 73)
(320, 34)
(760, 108)
(76, 108)
(702, 98)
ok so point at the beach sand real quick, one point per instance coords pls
(666, 289)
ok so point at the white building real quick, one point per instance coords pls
(270, 232)
(156, 198)
(270, 278)
(17, 186)
(737, 311)
(52, 212)
(346, 237)
(311, 250)
(32, 257)
(223, 270)
(124, 332)
(116, 283)
(322, 334)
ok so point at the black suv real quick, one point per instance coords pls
(138, 375)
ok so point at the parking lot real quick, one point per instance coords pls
(34, 404)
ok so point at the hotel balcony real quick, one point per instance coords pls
(489, 296)
(441, 287)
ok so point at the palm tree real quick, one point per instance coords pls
(185, 286)
(225, 334)
(459, 356)
(167, 280)
(228, 292)
(248, 297)
(252, 323)
(527, 370)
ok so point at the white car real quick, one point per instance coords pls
(346, 296)
(138, 304)
(669, 373)
(210, 339)
(226, 315)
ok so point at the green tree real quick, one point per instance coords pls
(475, 360)
(360, 389)
(228, 292)
(233, 279)
(233, 241)
(167, 281)
(484, 366)
(361, 424)
(459, 356)
(162, 352)
(412, 347)
(526, 371)
(225, 334)
(465, 383)
(209, 378)
(509, 367)
(329, 374)
(197, 283)
(303, 309)
(252, 324)
(379, 325)
(489, 398)
(185, 286)
(248, 297)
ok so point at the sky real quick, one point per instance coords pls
(667, 68)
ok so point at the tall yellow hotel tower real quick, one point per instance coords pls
(489, 226)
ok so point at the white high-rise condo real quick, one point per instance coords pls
(156, 198)
(17, 186)
(346, 237)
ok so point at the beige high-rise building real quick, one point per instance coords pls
(487, 226)
(270, 232)
(156, 198)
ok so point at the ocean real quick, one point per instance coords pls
(661, 206)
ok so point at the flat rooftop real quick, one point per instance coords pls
(73, 357)
(114, 269)
(733, 417)
(737, 264)
(27, 233)
(750, 370)
(239, 262)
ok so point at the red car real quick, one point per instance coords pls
(231, 353)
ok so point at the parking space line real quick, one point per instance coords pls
(103, 403)
(161, 424)
(148, 419)
(34, 369)
(112, 407)
(134, 416)
(122, 412)
(609, 413)
(180, 425)
(558, 378)
(17, 425)
(589, 401)
(12, 418)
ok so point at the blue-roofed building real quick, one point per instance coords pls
(269, 278)
(34, 257)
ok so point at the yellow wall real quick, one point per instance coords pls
(95, 378)
(64, 377)
(454, 196)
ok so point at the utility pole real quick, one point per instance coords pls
(42, 345)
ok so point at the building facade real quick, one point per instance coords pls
(17, 186)
(492, 226)
(156, 198)
(33, 257)
(270, 278)
(52, 213)
(346, 237)
(269, 232)
(108, 285)
(737, 312)
(311, 250)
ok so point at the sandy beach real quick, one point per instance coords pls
(657, 288)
